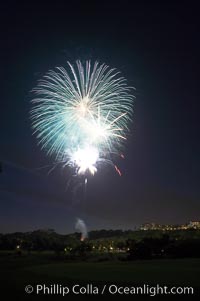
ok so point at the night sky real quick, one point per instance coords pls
(156, 46)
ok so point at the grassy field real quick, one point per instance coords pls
(19, 271)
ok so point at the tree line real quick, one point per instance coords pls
(129, 245)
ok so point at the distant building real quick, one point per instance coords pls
(194, 225)
(151, 226)
(154, 226)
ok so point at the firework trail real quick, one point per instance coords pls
(81, 115)
(81, 226)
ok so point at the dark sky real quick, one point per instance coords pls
(156, 46)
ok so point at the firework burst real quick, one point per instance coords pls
(82, 114)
